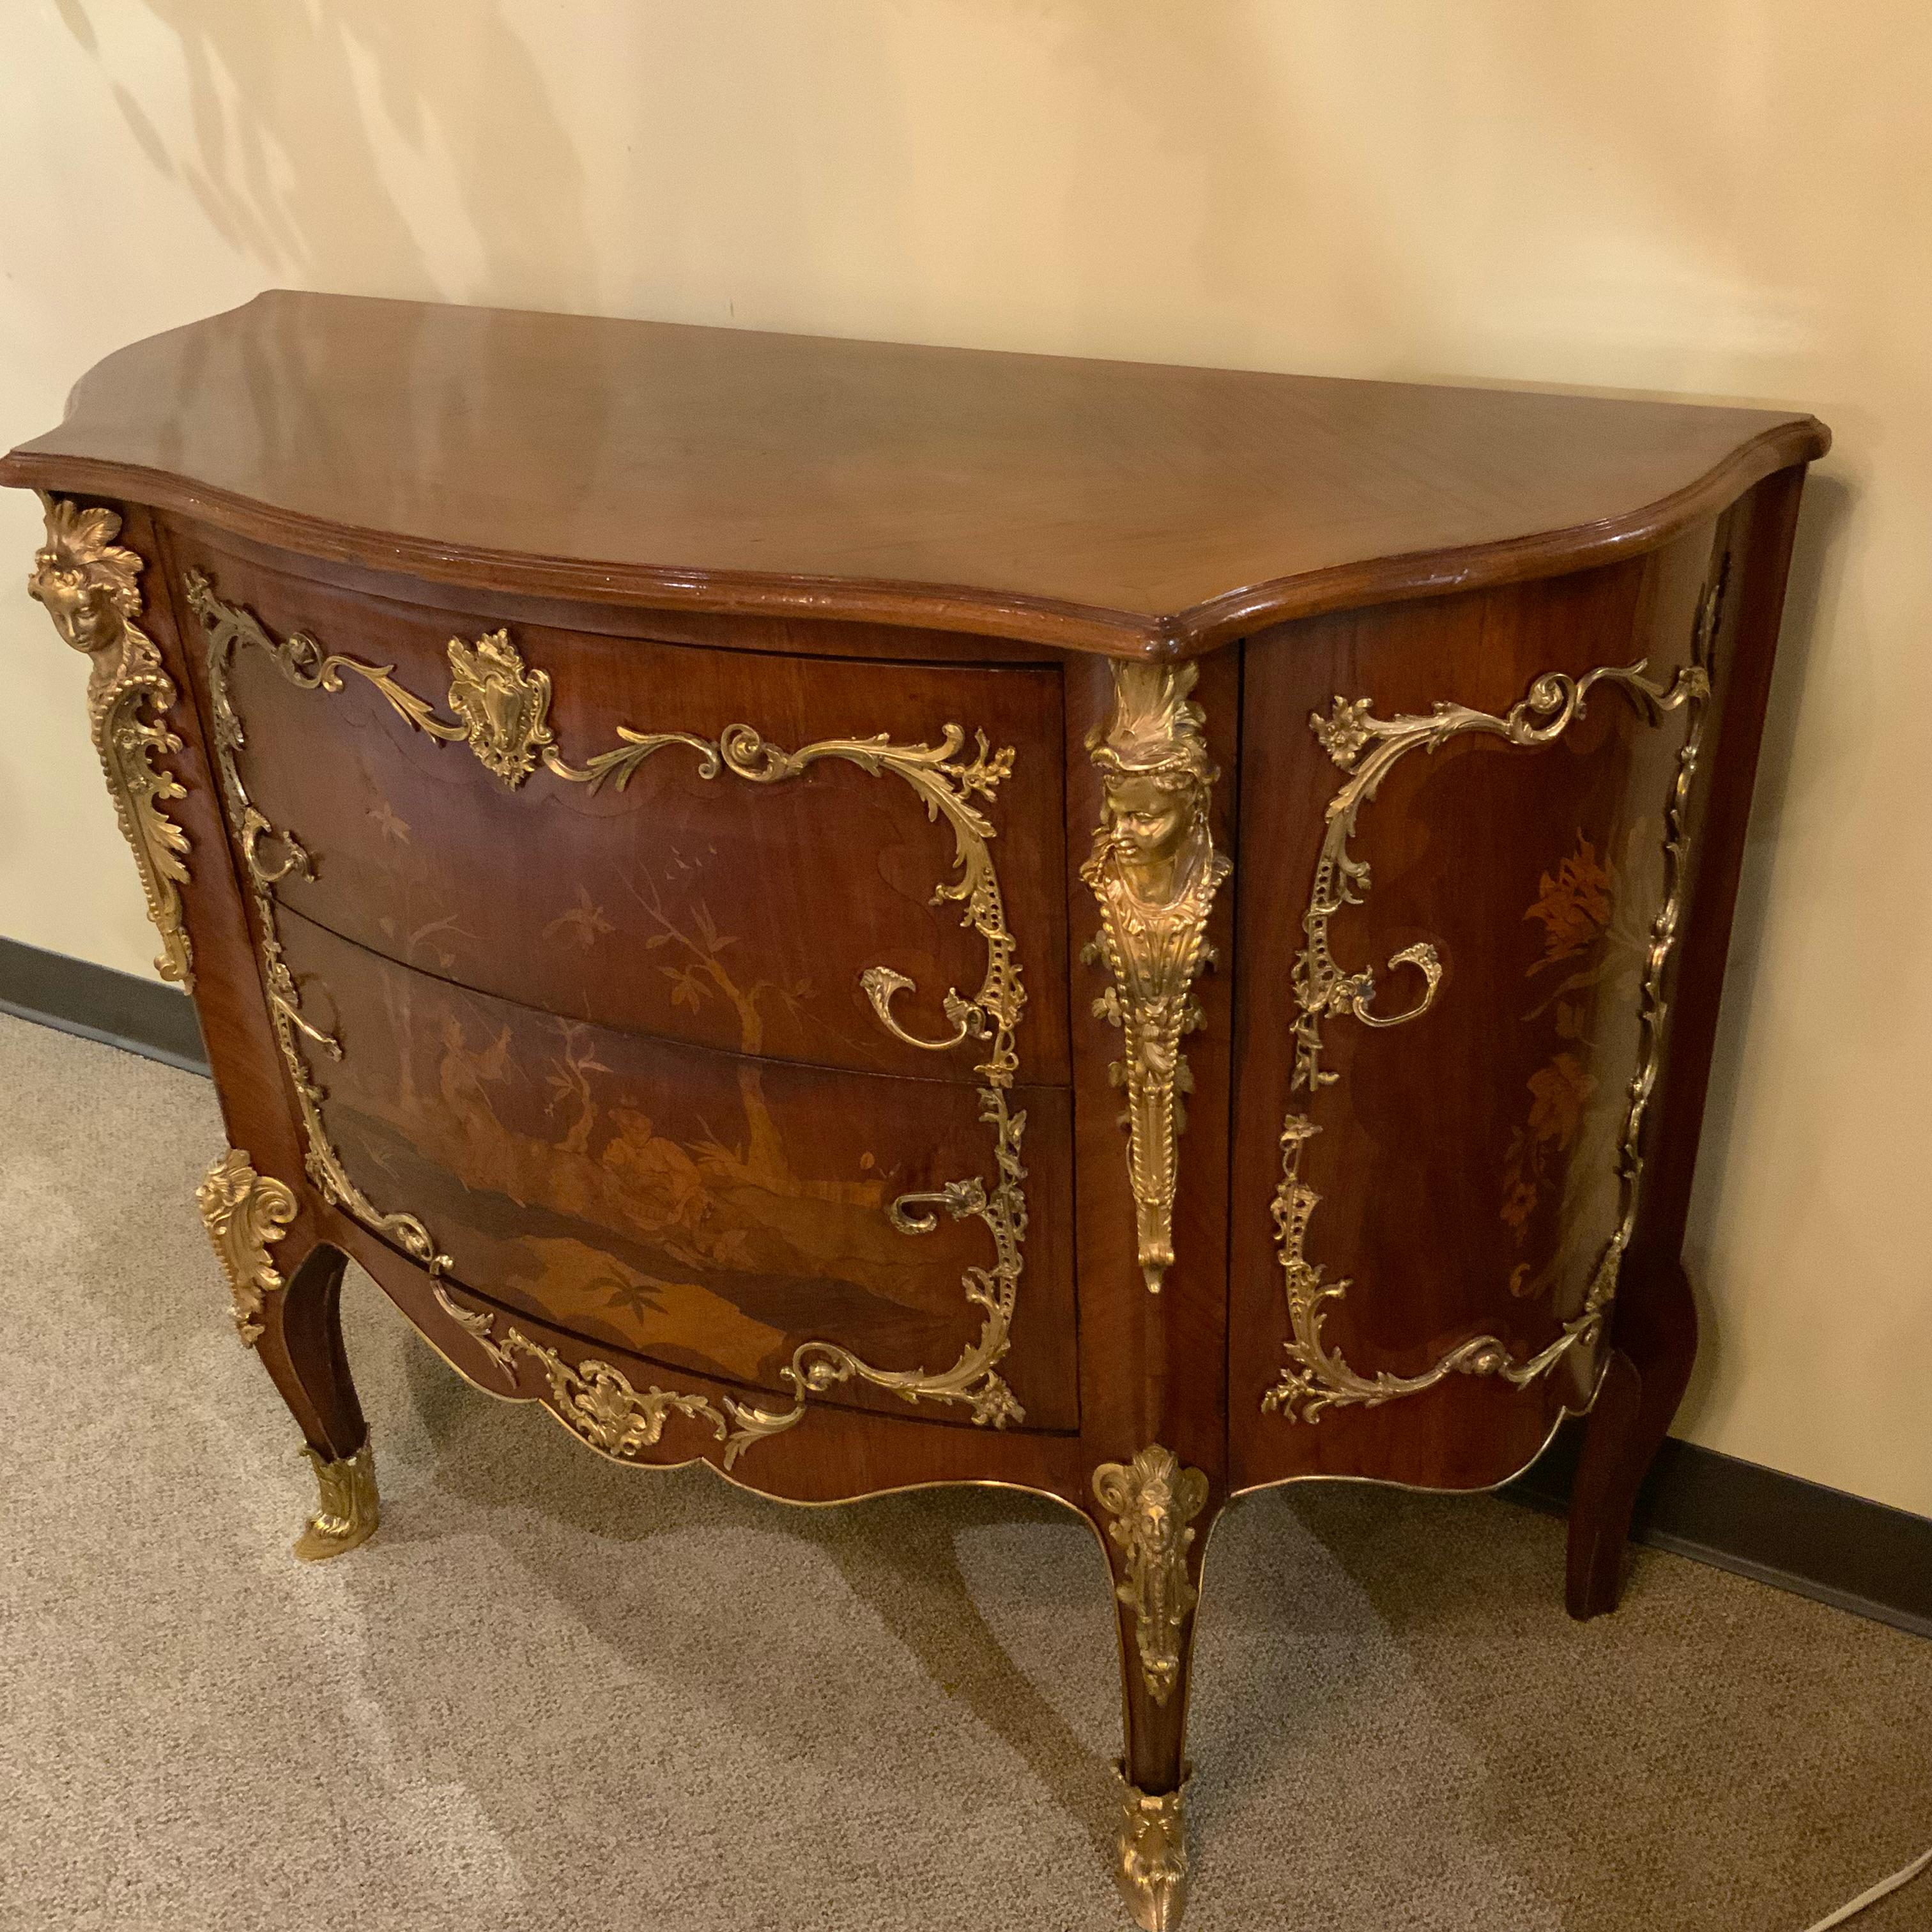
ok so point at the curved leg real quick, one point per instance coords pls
(1149, 1507)
(1654, 1343)
(295, 1327)
(302, 1349)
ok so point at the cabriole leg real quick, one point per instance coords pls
(1148, 1508)
(1654, 1343)
(302, 1348)
(295, 1327)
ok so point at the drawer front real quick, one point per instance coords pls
(714, 1212)
(808, 859)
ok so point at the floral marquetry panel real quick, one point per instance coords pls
(1453, 1159)
(707, 1210)
(707, 907)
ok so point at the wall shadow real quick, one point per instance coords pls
(288, 165)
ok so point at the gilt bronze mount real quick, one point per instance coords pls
(1153, 872)
(347, 1507)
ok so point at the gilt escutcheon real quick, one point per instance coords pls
(503, 706)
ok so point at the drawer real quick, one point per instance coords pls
(711, 1210)
(834, 908)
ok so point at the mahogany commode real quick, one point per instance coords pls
(881, 915)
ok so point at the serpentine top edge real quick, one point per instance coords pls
(1131, 510)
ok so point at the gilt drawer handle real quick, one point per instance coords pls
(881, 982)
(957, 1198)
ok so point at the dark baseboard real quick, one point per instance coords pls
(1779, 1529)
(141, 1016)
(1840, 1549)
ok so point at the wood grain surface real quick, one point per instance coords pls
(734, 915)
(1117, 507)
(702, 1210)
(1467, 1161)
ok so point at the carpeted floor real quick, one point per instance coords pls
(553, 1694)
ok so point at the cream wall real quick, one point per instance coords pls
(1721, 198)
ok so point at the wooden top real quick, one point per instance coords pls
(1121, 507)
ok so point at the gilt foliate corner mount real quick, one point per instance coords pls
(89, 585)
(245, 1213)
(1151, 1505)
(1153, 872)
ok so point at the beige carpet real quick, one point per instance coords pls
(556, 1694)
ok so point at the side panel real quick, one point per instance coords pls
(1455, 819)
